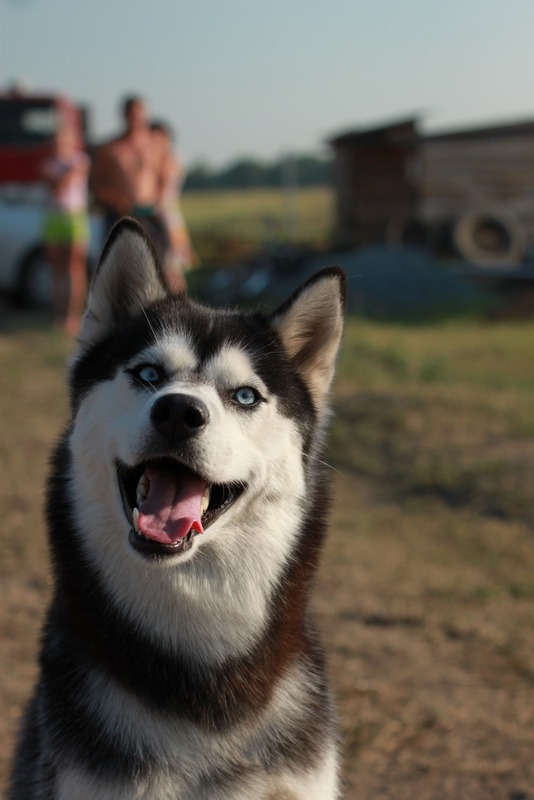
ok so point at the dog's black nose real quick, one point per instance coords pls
(179, 416)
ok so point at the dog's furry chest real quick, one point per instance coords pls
(317, 783)
(255, 758)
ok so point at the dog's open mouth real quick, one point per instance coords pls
(167, 505)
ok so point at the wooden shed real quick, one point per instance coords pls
(376, 180)
(471, 187)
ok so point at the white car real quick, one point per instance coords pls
(24, 271)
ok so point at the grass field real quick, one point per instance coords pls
(225, 224)
(426, 592)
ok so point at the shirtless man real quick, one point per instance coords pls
(129, 176)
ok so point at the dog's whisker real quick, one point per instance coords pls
(151, 327)
(324, 463)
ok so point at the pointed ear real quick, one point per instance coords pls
(127, 279)
(310, 325)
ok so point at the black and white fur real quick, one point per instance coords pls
(191, 673)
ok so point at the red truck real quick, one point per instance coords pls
(28, 123)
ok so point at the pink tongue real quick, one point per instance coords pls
(172, 506)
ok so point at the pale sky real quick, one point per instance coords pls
(238, 78)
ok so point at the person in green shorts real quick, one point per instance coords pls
(66, 227)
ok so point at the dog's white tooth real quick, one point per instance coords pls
(142, 489)
(135, 518)
(204, 503)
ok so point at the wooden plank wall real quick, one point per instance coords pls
(373, 188)
(461, 175)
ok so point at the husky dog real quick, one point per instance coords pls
(186, 511)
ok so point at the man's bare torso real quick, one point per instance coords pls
(130, 172)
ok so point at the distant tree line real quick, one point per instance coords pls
(248, 173)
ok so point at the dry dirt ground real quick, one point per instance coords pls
(426, 607)
(433, 669)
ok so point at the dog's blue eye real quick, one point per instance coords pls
(149, 374)
(245, 396)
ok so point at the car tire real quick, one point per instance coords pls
(490, 238)
(34, 283)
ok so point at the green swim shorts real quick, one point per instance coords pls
(64, 227)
